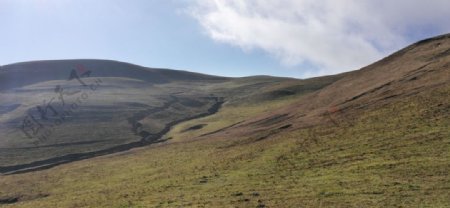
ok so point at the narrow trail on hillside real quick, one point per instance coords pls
(147, 140)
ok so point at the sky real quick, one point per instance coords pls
(290, 38)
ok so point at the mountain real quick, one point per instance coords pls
(377, 136)
(54, 112)
(27, 73)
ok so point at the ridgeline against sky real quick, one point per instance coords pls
(299, 38)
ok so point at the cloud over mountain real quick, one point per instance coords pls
(331, 36)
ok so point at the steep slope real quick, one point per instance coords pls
(376, 137)
(420, 68)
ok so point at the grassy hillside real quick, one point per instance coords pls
(396, 155)
(376, 137)
(89, 120)
(114, 107)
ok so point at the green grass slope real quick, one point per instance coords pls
(393, 156)
(376, 137)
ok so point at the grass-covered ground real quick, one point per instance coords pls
(375, 137)
(393, 155)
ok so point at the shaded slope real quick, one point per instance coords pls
(26, 73)
(146, 139)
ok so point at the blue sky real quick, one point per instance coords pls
(298, 38)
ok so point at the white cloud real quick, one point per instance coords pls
(334, 36)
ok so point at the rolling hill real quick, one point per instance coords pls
(378, 136)
(54, 112)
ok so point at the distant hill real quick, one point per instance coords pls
(26, 73)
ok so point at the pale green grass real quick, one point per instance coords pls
(227, 116)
